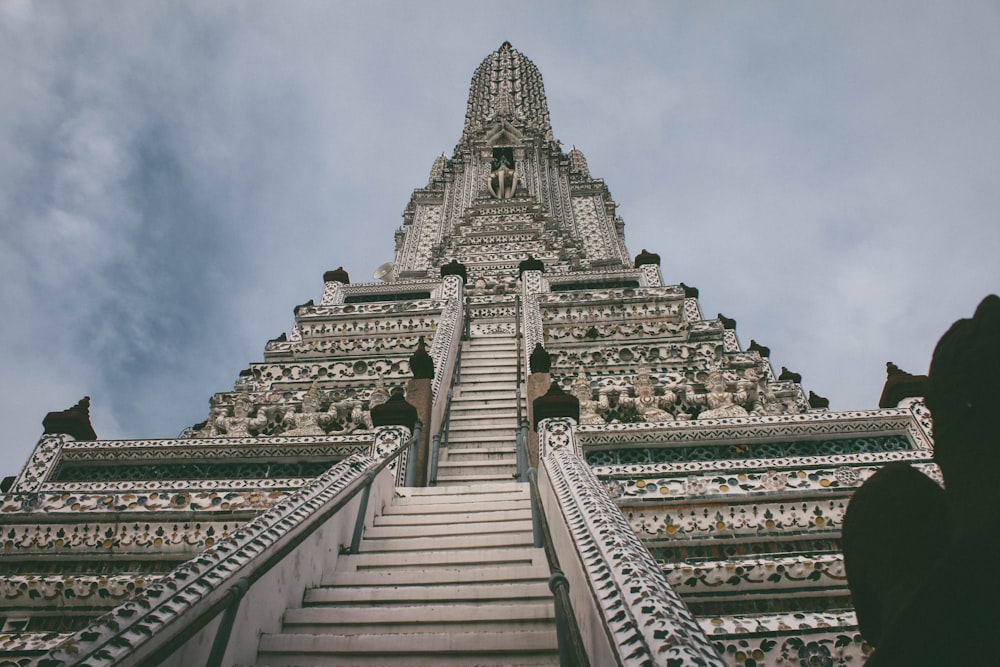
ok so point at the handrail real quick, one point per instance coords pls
(239, 587)
(520, 360)
(232, 603)
(440, 439)
(572, 652)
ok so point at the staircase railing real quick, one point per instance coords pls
(572, 652)
(440, 439)
(151, 628)
(521, 440)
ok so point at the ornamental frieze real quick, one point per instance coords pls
(348, 346)
(762, 428)
(311, 311)
(746, 464)
(166, 538)
(71, 590)
(588, 332)
(738, 520)
(368, 368)
(664, 359)
(642, 482)
(367, 327)
(754, 575)
(823, 639)
(55, 503)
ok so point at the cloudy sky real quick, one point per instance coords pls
(175, 177)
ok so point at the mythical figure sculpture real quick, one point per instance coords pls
(722, 402)
(379, 394)
(237, 426)
(646, 402)
(214, 425)
(344, 416)
(503, 178)
(307, 421)
(583, 393)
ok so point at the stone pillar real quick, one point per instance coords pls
(420, 394)
(333, 286)
(540, 363)
(538, 384)
(649, 264)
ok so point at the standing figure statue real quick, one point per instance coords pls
(503, 178)
(583, 393)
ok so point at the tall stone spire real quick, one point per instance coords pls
(507, 84)
(508, 192)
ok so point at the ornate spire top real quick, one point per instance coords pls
(437, 169)
(578, 163)
(507, 85)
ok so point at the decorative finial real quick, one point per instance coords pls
(74, 422)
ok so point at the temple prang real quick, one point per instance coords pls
(700, 493)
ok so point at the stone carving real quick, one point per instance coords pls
(646, 402)
(213, 426)
(641, 609)
(722, 402)
(503, 178)
(237, 426)
(588, 406)
(307, 421)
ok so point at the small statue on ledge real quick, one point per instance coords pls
(583, 393)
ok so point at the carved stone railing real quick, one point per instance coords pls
(448, 335)
(626, 610)
(287, 547)
(532, 284)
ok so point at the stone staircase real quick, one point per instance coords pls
(482, 440)
(446, 576)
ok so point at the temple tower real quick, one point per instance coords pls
(695, 494)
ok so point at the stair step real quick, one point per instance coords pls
(502, 487)
(458, 501)
(463, 432)
(486, 390)
(445, 509)
(473, 465)
(468, 528)
(405, 649)
(441, 558)
(491, 454)
(396, 582)
(390, 594)
(427, 546)
(415, 613)
(453, 519)
(447, 480)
